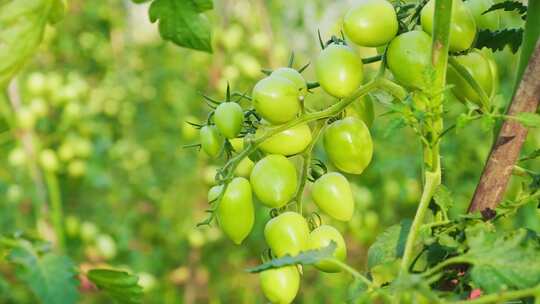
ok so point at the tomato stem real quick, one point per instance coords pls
(357, 275)
(462, 71)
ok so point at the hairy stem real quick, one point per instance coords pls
(357, 275)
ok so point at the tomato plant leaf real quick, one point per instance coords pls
(530, 120)
(389, 245)
(119, 285)
(532, 155)
(509, 6)
(181, 22)
(443, 199)
(307, 257)
(51, 277)
(497, 40)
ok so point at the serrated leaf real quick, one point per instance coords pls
(389, 245)
(51, 277)
(502, 260)
(497, 40)
(531, 156)
(21, 28)
(306, 258)
(395, 124)
(181, 22)
(508, 6)
(530, 120)
(356, 289)
(443, 199)
(119, 285)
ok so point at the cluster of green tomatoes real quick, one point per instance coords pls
(259, 147)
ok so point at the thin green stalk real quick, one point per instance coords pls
(352, 271)
(504, 296)
(435, 269)
(5, 109)
(57, 213)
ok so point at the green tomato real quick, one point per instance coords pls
(480, 69)
(237, 144)
(490, 21)
(348, 144)
(211, 141)
(280, 285)
(333, 195)
(409, 58)
(462, 26)
(287, 233)
(371, 23)
(214, 193)
(294, 76)
(339, 70)
(363, 109)
(274, 180)
(320, 238)
(276, 99)
(289, 142)
(235, 212)
(229, 118)
(244, 168)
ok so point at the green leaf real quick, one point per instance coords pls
(502, 260)
(356, 289)
(181, 22)
(531, 156)
(530, 120)
(497, 40)
(306, 258)
(508, 6)
(389, 245)
(51, 277)
(443, 199)
(395, 124)
(119, 285)
(21, 29)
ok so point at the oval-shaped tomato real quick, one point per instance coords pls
(480, 69)
(339, 70)
(462, 26)
(320, 238)
(371, 23)
(333, 195)
(280, 285)
(348, 144)
(235, 211)
(409, 58)
(276, 99)
(287, 233)
(244, 167)
(363, 109)
(274, 180)
(289, 142)
(214, 192)
(490, 21)
(294, 76)
(229, 117)
(211, 140)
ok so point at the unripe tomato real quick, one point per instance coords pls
(371, 23)
(294, 76)
(348, 144)
(409, 58)
(480, 69)
(214, 193)
(244, 168)
(289, 142)
(320, 238)
(48, 160)
(339, 70)
(235, 212)
(489, 21)
(287, 233)
(211, 141)
(274, 180)
(363, 109)
(462, 25)
(237, 144)
(333, 195)
(276, 99)
(77, 168)
(229, 118)
(280, 285)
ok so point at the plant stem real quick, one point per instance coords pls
(57, 213)
(431, 153)
(462, 71)
(502, 297)
(352, 271)
(455, 260)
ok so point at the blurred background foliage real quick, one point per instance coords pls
(105, 102)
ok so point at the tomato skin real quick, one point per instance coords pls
(489, 21)
(235, 211)
(229, 117)
(287, 233)
(276, 99)
(333, 195)
(280, 285)
(294, 76)
(480, 69)
(244, 168)
(348, 144)
(289, 142)
(214, 193)
(211, 140)
(371, 23)
(409, 59)
(320, 238)
(339, 70)
(362, 109)
(462, 26)
(274, 180)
